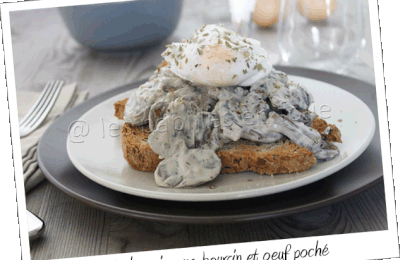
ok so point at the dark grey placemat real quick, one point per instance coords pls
(363, 173)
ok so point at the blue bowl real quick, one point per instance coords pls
(122, 26)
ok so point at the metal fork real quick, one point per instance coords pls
(41, 108)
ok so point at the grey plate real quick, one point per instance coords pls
(363, 173)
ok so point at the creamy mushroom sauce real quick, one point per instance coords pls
(192, 113)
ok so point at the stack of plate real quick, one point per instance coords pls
(81, 154)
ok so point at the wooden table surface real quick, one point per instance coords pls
(44, 50)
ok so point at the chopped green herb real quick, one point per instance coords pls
(199, 51)
(234, 59)
(206, 34)
(259, 67)
(219, 41)
(176, 62)
(228, 61)
(219, 34)
(276, 85)
(234, 76)
(244, 71)
(248, 66)
(180, 48)
(186, 61)
(227, 38)
(228, 45)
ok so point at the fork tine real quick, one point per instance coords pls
(44, 110)
(40, 106)
(42, 114)
(37, 103)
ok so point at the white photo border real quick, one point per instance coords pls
(354, 245)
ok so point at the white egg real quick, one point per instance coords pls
(266, 12)
(316, 10)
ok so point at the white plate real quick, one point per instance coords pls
(98, 155)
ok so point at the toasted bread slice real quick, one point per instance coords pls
(136, 150)
(119, 107)
(282, 157)
(320, 125)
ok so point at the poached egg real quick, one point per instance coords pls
(218, 57)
